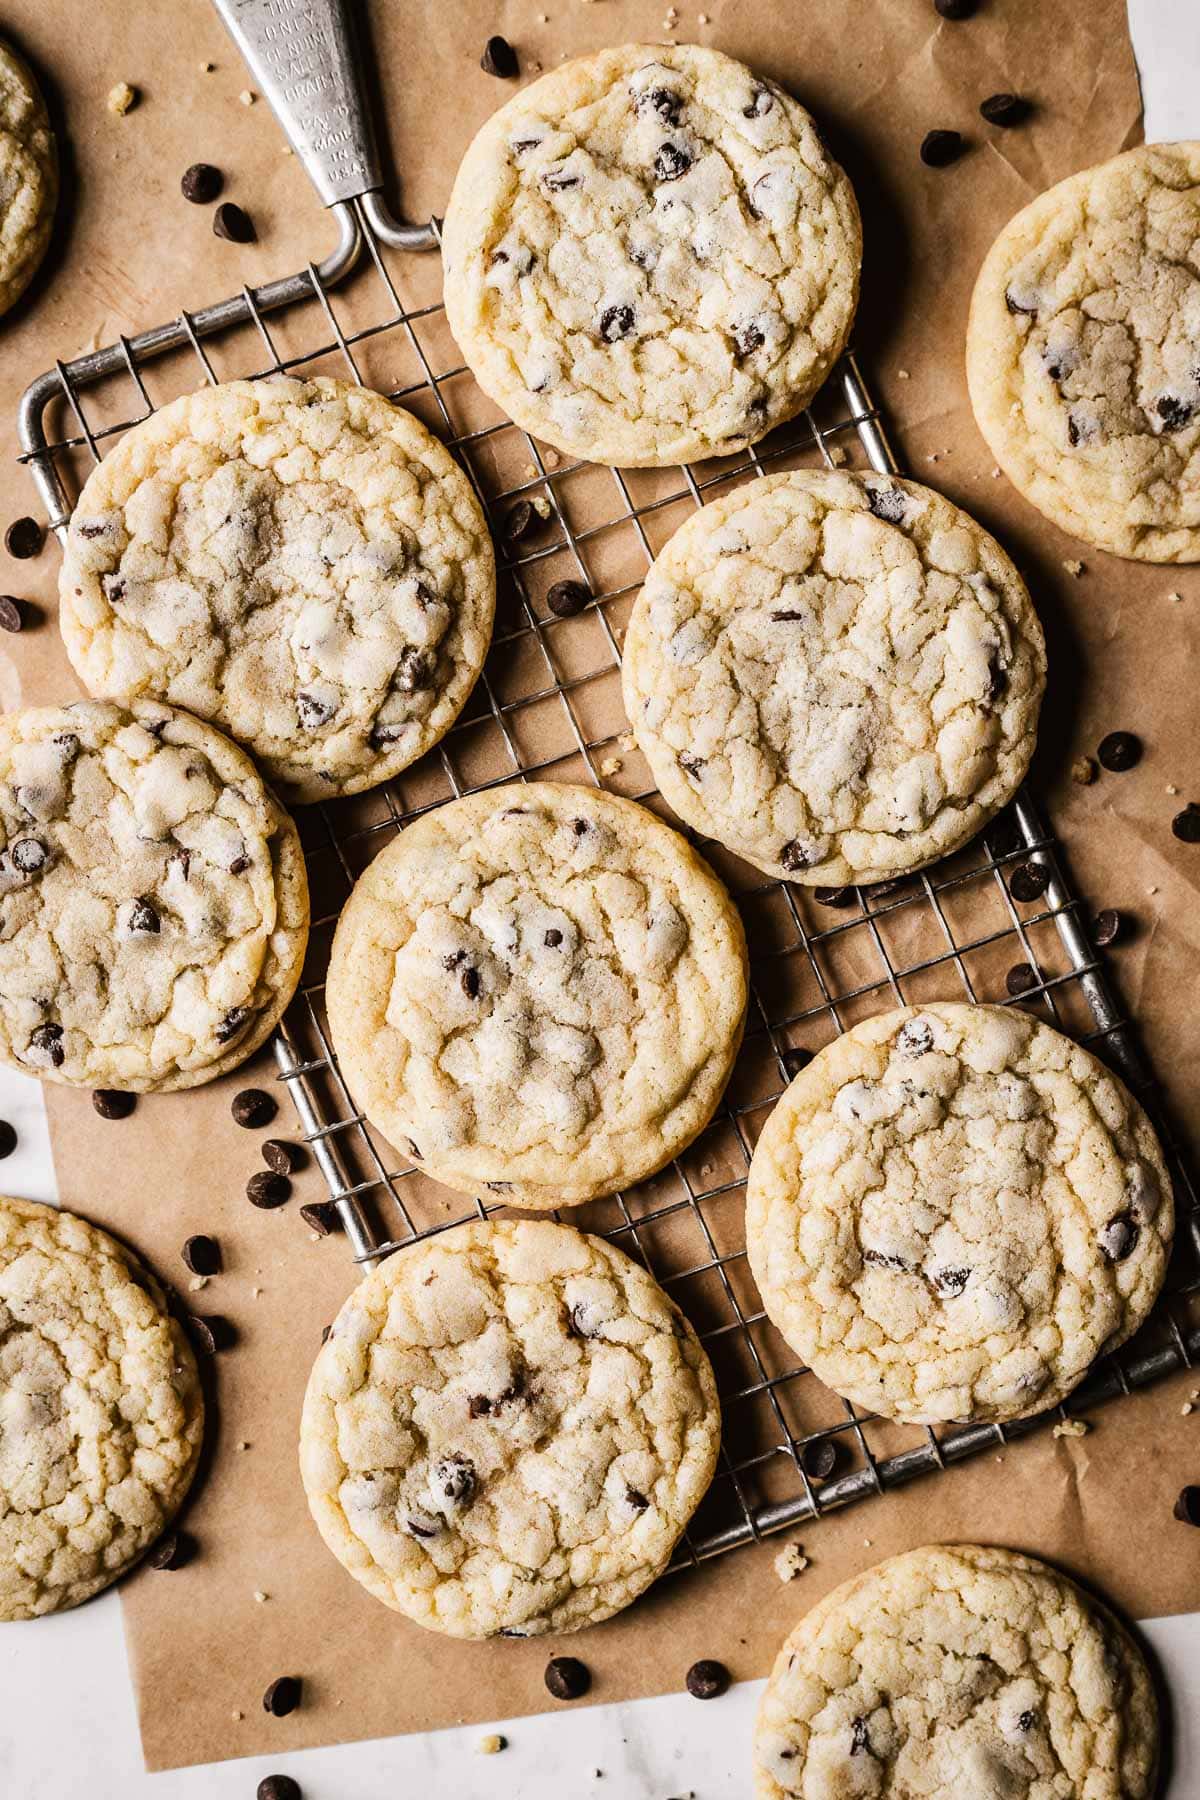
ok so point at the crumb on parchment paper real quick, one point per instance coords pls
(791, 1562)
(492, 1744)
(1071, 1428)
(122, 99)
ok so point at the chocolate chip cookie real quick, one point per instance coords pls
(101, 1414)
(507, 1430)
(299, 562)
(953, 1210)
(538, 993)
(153, 901)
(837, 676)
(1083, 353)
(28, 177)
(958, 1673)
(650, 257)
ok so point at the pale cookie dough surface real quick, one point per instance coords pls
(538, 991)
(953, 1210)
(299, 562)
(1083, 353)
(650, 257)
(957, 1673)
(507, 1430)
(153, 900)
(28, 177)
(836, 676)
(101, 1414)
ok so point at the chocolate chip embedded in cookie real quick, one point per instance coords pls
(28, 177)
(650, 257)
(953, 1210)
(485, 1466)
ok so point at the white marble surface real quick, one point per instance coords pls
(67, 1723)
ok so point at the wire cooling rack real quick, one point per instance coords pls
(995, 922)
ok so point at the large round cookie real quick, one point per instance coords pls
(28, 177)
(101, 1415)
(836, 676)
(958, 1673)
(1083, 358)
(650, 257)
(507, 1430)
(953, 1210)
(153, 901)
(300, 562)
(538, 991)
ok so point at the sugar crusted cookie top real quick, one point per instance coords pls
(299, 562)
(101, 1415)
(153, 903)
(507, 1430)
(28, 177)
(838, 677)
(1083, 353)
(650, 257)
(953, 1210)
(538, 990)
(958, 1673)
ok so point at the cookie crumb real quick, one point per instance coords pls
(247, 96)
(206, 68)
(1074, 568)
(1071, 1428)
(244, 1444)
(492, 1744)
(541, 506)
(122, 99)
(1084, 770)
(1175, 597)
(1187, 1409)
(197, 1282)
(260, 1596)
(995, 474)
(612, 765)
(837, 456)
(790, 1562)
(237, 1716)
(1171, 788)
(903, 375)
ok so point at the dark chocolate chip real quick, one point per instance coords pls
(268, 1190)
(690, 764)
(859, 1741)
(797, 1058)
(143, 919)
(471, 983)
(234, 225)
(519, 521)
(1108, 926)
(1074, 431)
(253, 1108)
(558, 180)
(415, 670)
(796, 856)
(24, 538)
(454, 1478)
(321, 1215)
(880, 1259)
(939, 148)
(567, 1678)
(201, 184)
(819, 1459)
(314, 712)
(835, 896)
(955, 9)
(997, 677)
(202, 1255)
(1174, 412)
(785, 615)
(671, 162)
(209, 1332)
(1187, 1507)
(326, 1333)
(1005, 109)
(1186, 824)
(283, 1696)
(707, 1680)
(29, 855)
(278, 1787)
(239, 865)
(111, 1103)
(663, 103)
(638, 1501)
(915, 1038)
(889, 504)
(283, 1158)
(761, 103)
(8, 1139)
(616, 322)
(1119, 1237)
(48, 1039)
(12, 616)
(499, 59)
(1021, 978)
(1028, 881)
(1119, 751)
(566, 598)
(235, 1020)
(747, 339)
(422, 1528)
(1026, 1721)
(172, 1551)
(478, 1406)
(414, 1151)
(553, 937)
(950, 1281)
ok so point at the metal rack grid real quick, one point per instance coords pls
(548, 706)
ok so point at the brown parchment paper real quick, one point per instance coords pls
(878, 73)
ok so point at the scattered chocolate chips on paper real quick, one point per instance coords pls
(202, 1255)
(567, 1678)
(253, 1108)
(499, 59)
(1186, 824)
(12, 615)
(1119, 751)
(566, 598)
(1006, 110)
(8, 1139)
(283, 1696)
(519, 521)
(283, 1158)
(322, 1216)
(1109, 926)
(234, 225)
(209, 1332)
(940, 148)
(267, 1190)
(201, 184)
(1028, 882)
(797, 1058)
(1187, 1507)
(835, 896)
(172, 1551)
(111, 1103)
(24, 538)
(1021, 978)
(707, 1680)
(278, 1787)
(819, 1459)
(955, 9)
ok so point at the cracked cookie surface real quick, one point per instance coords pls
(650, 257)
(101, 1414)
(299, 562)
(953, 1210)
(153, 900)
(538, 990)
(958, 1673)
(507, 1430)
(1083, 353)
(837, 677)
(28, 177)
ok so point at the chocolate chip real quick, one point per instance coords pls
(326, 1333)
(8, 1139)
(819, 1459)
(747, 339)
(172, 1551)
(48, 1039)
(202, 1255)
(1005, 109)
(111, 1103)
(616, 322)
(761, 103)
(519, 521)
(915, 1038)
(950, 1281)
(1074, 430)
(558, 180)
(314, 712)
(938, 148)
(239, 865)
(278, 1787)
(499, 59)
(1021, 978)
(12, 616)
(471, 983)
(553, 937)
(1119, 1237)
(796, 856)
(29, 855)
(414, 1151)
(1186, 824)
(566, 598)
(201, 184)
(859, 1741)
(997, 677)
(690, 764)
(1187, 1507)
(835, 896)
(1174, 412)
(638, 1501)
(1108, 926)
(268, 1190)
(660, 101)
(415, 670)
(785, 615)
(253, 1108)
(671, 162)
(478, 1406)
(143, 919)
(283, 1158)
(232, 224)
(235, 1020)
(881, 1259)
(889, 504)
(1028, 881)
(1026, 1721)
(1119, 751)
(24, 538)
(209, 1332)
(955, 9)
(454, 1478)
(567, 1678)
(283, 1696)
(797, 1058)
(321, 1215)
(707, 1680)
(422, 1528)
